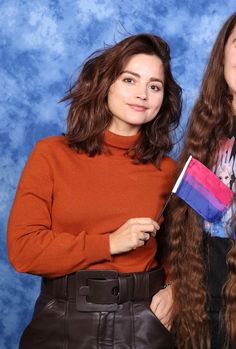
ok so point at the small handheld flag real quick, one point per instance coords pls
(201, 189)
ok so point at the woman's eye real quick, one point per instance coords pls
(154, 87)
(129, 80)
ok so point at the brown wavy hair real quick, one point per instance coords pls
(209, 125)
(89, 115)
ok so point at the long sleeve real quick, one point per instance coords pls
(33, 245)
(68, 203)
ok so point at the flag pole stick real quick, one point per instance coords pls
(163, 208)
(179, 179)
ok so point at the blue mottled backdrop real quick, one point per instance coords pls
(43, 42)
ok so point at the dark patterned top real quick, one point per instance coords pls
(225, 169)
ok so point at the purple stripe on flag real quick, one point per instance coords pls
(204, 191)
(198, 202)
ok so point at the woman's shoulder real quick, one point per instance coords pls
(55, 141)
(55, 146)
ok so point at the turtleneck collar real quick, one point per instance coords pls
(117, 143)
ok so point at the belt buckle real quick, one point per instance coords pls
(82, 290)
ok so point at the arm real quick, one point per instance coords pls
(37, 246)
(33, 245)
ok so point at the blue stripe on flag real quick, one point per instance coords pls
(198, 202)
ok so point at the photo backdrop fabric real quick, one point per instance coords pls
(43, 43)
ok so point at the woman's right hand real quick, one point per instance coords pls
(132, 234)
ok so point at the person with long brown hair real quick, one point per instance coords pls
(202, 254)
(84, 215)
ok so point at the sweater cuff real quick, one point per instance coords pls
(97, 248)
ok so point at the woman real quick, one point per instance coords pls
(203, 255)
(85, 208)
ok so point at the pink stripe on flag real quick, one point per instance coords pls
(204, 191)
(209, 181)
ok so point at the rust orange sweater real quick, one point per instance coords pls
(67, 204)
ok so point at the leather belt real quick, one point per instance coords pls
(103, 290)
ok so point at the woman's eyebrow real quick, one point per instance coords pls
(138, 76)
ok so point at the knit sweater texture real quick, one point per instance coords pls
(68, 203)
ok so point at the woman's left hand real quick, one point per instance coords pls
(162, 306)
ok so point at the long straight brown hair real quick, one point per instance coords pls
(89, 115)
(209, 125)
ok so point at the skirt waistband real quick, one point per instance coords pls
(103, 290)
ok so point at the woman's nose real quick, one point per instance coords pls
(141, 92)
(142, 96)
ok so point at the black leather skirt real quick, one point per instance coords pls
(97, 310)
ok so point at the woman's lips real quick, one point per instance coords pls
(137, 107)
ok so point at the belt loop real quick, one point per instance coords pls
(83, 278)
(147, 284)
(65, 287)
